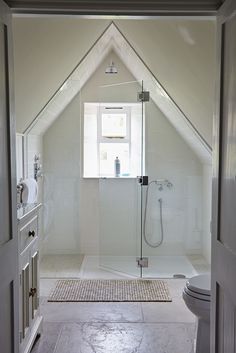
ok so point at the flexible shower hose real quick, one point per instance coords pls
(152, 245)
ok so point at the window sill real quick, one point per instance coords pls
(111, 177)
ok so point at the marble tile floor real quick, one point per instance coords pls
(61, 266)
(116, 327)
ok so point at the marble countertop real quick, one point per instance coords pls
(25, 209)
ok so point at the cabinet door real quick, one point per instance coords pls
(25, 275)
(26, 294)
(34, 289)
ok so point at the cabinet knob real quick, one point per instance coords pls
(32, 292)
(31, 233)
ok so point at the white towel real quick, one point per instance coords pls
(30, 190)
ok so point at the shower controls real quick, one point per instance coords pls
(161, 183)
(143, 180)
(142, 261)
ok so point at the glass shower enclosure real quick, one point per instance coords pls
(121, 171)
(148, 184)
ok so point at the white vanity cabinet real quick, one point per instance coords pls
(28, 235)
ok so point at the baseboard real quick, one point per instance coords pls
(35, 330)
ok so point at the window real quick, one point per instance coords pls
(114, 125)
(110, 131)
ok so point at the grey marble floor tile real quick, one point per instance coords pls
(176, 311)
(61, 266)
(46, 286)
(47, 341)
(176, 287)
(116, 327)
(125, 338)
(91, 312)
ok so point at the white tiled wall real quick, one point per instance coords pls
(34, 146)
(169, 157)
(206, 211)
(77, 209)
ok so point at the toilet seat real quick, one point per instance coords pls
(199, 287)
(203, 297)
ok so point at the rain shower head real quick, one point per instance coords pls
(111, 69)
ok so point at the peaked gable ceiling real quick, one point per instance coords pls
(113, 39)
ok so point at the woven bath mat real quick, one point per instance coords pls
(83, 290)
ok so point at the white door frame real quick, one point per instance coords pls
(9, 278)
(223, 301)
(197, 12)
(98, 8)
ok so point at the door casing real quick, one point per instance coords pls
(17, 8)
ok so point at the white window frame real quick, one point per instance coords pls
(102, 139)
(113, 110)
(134, 117)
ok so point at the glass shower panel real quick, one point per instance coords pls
(120, 160)
(172, 198)
(119, 225)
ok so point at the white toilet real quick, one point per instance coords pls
(197, 297)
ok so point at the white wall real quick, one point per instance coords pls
(169, 157)
(61, 148)
(181, 53)
(77, 208)
(19, 157)
(206, 211)
(79, 215)
(45, 52)
(33, 146)
(27, 146)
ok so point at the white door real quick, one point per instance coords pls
(8, 235)
(223, 333)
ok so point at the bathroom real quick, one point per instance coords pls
(69, 199)
(96, 224)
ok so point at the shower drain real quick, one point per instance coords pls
(179, 275)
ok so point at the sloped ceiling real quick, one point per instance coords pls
(113, 39)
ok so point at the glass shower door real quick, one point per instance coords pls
(120, 162)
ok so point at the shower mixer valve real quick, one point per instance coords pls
(161, 183)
